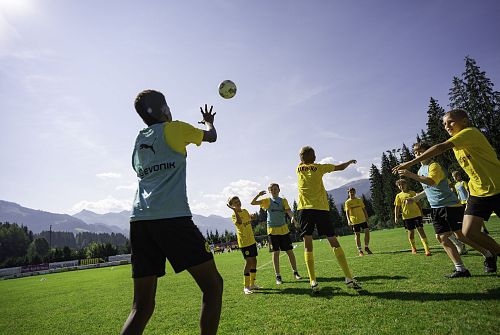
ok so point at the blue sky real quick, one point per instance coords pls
(350, 78)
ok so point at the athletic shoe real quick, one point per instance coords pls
(278, 280)
(353, 284)
(255, 287)
(490, 264)
(247, 290)
(296, 275)
(428, 253)
(368, 251)
(459, 274)
(315, 287)
(361, 253)
(414, 251)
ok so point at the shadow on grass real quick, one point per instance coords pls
(361, 279)
(493, 294)
(434, 250)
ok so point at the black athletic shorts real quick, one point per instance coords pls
(358, 226)
(310, 218)
(250, 251)
(411, 224)
(483, 206)
(447, 219)
(280, 242)
(176, 239)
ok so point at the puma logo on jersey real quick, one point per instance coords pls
(147, 146)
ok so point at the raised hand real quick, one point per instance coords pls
(208, 117)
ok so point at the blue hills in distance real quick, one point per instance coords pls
(88, 221)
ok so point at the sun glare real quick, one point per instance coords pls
(15, 7)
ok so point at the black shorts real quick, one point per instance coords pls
(280, 242)
(483, 206)
(447, 219)
(175, 239)
(358, 226)
(250, 251)
(411, 224)
(310, 218)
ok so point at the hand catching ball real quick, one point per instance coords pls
(227, 89)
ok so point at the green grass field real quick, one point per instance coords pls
(403, 294)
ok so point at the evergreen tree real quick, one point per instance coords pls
(475, 94)
(388, 184)
(368, 206)
(377, 192)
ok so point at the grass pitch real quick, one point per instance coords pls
(402, 294)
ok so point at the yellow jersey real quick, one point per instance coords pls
(281, 230)
(478, 159)
(244, 229)
(312, 193)
(408, 210)
(354, 209)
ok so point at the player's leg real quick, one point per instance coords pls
(142, 306)
(309, 258)
(211, 284)
(276, 265)
(342, 260)
(423, 239)
(452, 252)
(411, 238)
(471, 228)
(357, 239)
(367, 239)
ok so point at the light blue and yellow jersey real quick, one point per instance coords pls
(159, 160)
(276, 211)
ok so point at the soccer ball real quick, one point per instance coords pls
(227, 89)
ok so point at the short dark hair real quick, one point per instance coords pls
(458, 113)
(149, 99)
(401, 181)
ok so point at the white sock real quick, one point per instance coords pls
(460, 267)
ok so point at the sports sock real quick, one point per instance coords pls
(488, 254)
(278, 274)
(460, 267)
(309, 257)
(253, 274)
(246, 279)
(425, 244)
(412, 242)
(339, 253)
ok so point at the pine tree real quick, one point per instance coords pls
(368, 205)
(377, 192)
(475, 94)
(407, 155)
(389, 182)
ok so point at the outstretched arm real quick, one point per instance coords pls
(343, 166)
(421, 179)
(258, 202)
(209, 135)
(433, 151)
(238, 218)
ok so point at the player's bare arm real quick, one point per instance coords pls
(421, 179)
(343, 166)
(258, 202)
(209, 135)
(433, 151)
(238, 219)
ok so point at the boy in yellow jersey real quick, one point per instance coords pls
(479, 160)
(161, 225)
(357, 218)
(314, 212)
(277, 228)
(412, 215)
(246, 242)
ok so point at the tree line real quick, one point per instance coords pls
(19, 246)
(474, 92)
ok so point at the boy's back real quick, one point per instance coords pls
(312, 193)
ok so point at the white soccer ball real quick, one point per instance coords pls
(227, 89)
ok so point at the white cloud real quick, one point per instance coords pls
(108, 175)
(131, 186)
(339, 178)
(109, 204)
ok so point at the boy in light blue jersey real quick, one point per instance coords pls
(161, 225)
(277, 228)
(446, 210)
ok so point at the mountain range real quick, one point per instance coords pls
(88, 221)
